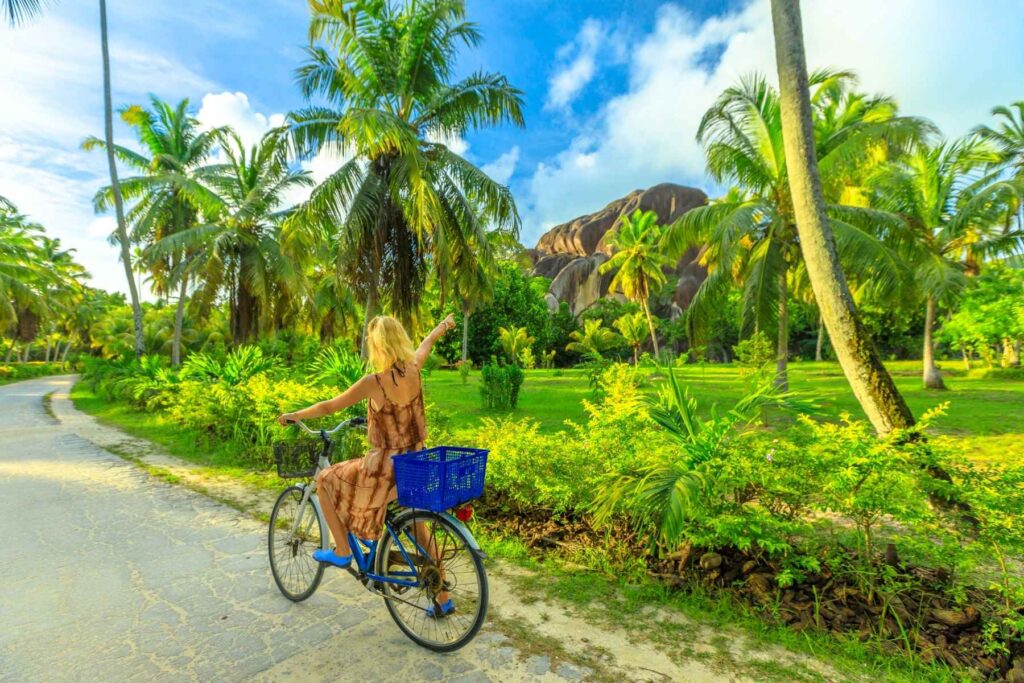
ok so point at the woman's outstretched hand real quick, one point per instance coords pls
(287, 419)
(449, 322)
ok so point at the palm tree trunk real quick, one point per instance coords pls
(650, 326)
(10, 350)
(636, 354)
(930, 374)
(371, 310)
(179, 319)
(966, 357)
(28, 351)
(868, 378)
(64, 357)
(821, 340)
(48, 345)
(115, 186)
(465, 335)
(782, 347)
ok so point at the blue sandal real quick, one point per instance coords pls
(446, 608)
(332, 558)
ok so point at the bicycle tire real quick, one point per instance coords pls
(395, 609)
(299, 551)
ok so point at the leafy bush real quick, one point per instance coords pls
(464, 367)
(19, 371)
(499, 385)
(339, 367)
(433, 362)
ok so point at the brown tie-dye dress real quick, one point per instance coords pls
(361, 497)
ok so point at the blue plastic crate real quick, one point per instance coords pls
(440, 478)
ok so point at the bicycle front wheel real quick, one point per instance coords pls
(438, 553)
(296, 530)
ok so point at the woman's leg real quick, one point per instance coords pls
(327, 497)
(429, 543)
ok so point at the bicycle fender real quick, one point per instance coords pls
(474, 546)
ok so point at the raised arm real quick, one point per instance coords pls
(428, 342)
(351, 396)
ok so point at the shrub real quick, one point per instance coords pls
(465, 367)
(499, 385)
(433, 362)
(534, 469)
(338, 367)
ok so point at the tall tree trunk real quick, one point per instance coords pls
(821, 341)
(49, 343)
(1011, 353)
(371, 311)
(64, 357)
(465, 334)
(650, 326)
(636, 354)
(868, 378)
(966, 356)
(115, 186)
(10, 350)
(930, 374)
(247, 315)
(782, 347)
(179, 320)
(27, 354)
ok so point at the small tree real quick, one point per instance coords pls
(593, 340)
(637, 260)
(514, 341)
(634, 330)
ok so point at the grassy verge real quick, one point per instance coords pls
(19, 372)
(215, 458)
(649, 610)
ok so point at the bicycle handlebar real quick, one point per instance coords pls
(352, 422)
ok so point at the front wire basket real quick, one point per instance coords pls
(297, 459)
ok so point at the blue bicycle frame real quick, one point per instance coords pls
(364, 559)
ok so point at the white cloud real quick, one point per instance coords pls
(501, 169)
(578, 64)
(456, 144)
(101, 227)
(944, 60)
(233, 109)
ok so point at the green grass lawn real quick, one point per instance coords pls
(984, 416)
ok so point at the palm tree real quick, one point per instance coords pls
(24, 276)
(514, 341)
(870, 381)
(403, 199)
(168, 191)
(638, 262)
(1008, 138)
(954, 211)
(18, 11)
(243, 248)
(751, 234)
(634, 330)
(593, 340)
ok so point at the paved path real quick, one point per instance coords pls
(109, 574)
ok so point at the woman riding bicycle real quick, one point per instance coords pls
(354, 494)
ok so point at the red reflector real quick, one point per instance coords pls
(464, 513)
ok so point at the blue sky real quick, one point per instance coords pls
(614, 88)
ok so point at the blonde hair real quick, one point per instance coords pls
(388, 343)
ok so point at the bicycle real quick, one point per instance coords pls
(420, 554)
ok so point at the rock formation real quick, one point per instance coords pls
(571, 254)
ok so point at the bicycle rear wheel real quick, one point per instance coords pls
(444, 562)
(291, 544)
